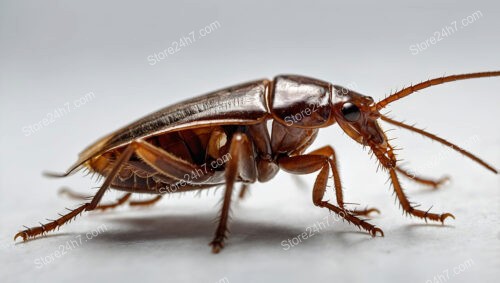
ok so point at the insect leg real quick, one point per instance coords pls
(77, 196)
(145, 202)
(388, 159)
(329, 152)
(422, 180)
(406, 205)
(44, 228)
(171, 165)
(305, 164)
(241, 164)
(117, 203)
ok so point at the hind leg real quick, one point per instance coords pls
(52, 225)
(77, 196)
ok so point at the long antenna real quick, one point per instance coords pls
(441, 140)
(437, 81)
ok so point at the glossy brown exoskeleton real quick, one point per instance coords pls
(223, 138)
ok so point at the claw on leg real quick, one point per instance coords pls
(360, 223)
(53, 224)
(408, 208)
(44, 228)
(217, 245)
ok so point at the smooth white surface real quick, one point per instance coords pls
(52, 54)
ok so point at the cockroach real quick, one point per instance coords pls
(247, 133)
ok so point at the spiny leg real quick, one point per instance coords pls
(240, 164)
(406, 205)
(117, 203)
(305, 164)
(145, 202)
(329, 152)
(53, 224)
(423, 180)
(388, 160)
(74, 195)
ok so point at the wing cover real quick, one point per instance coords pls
(241, 104)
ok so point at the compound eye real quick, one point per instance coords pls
(350, 112)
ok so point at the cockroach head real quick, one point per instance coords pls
(357, 115)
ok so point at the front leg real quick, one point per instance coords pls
(388, 160)
(435, 184)
(408, 208)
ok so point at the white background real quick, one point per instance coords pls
(54, 52)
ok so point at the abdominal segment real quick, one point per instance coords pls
(205, 148)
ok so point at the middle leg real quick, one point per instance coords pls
(305, 164)
(329, 152)
(241, 164)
